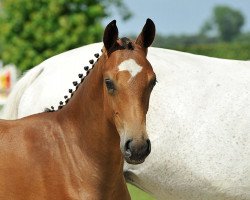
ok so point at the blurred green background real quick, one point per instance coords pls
(32, 31)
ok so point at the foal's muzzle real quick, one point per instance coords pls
(136, 152)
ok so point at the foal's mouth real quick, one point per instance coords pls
(134, 162)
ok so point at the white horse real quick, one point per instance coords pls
(198, 121)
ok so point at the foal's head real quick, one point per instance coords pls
(128, 80)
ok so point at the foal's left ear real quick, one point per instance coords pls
(110, 35)
(146, 37)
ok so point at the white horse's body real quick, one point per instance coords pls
(198, 121)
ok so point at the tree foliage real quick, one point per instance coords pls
(227, 22)
(32, 31)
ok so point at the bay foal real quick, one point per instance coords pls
(77, 152)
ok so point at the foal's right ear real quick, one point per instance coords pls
(110, 35)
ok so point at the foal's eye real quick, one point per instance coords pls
(110, 85)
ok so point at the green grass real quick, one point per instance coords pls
(137, 194)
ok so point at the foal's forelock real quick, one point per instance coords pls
(121, 44)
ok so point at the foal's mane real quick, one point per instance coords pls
(121, 44)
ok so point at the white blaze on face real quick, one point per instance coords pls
(131, 66)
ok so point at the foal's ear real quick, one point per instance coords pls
(147, 35)
(110, 35)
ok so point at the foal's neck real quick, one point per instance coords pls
(84, 119)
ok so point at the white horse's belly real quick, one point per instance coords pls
(198, 122)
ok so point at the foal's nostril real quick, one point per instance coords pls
(128, 152)
(149, 146)
(127, 144)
